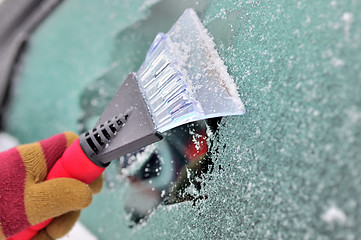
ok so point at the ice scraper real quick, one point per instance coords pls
(181, 80)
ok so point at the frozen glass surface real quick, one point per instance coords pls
(287, 169)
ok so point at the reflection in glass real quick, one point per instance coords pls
(167, 172)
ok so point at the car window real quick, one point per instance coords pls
(287, 169)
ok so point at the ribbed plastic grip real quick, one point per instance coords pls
(73, 164)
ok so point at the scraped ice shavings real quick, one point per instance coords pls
(183, 74)
(136, 160)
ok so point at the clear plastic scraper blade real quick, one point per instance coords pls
(183, 79)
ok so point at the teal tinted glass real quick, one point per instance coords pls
(280, 170)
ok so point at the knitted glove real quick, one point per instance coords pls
(26, 199)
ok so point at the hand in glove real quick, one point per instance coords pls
(26, 199)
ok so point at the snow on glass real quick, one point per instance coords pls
(183, 79)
